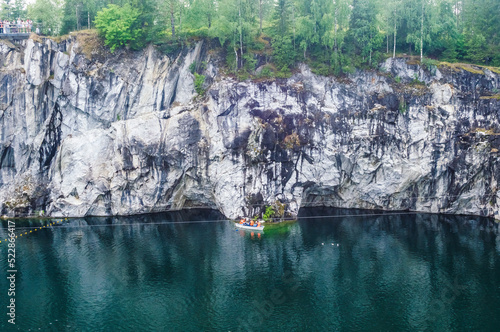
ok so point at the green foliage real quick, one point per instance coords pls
(476, 47)
(320, 68)
(48, 14)
(267, 72)
(363, 29)
(416, 81)
(269, 214)
(397, 79)
(118, 25)
(243, 75)
(430, 65)
(249, 62)
(283, 53)
(171, 47)
(333, 37)
(284, 72)
(76, 14)
(192, 67)
(13, 9)
(348, 69)
(402, 106)
(203, 65)
(199, 80)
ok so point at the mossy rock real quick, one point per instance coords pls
(497, 97)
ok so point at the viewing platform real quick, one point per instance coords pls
(16, 30)
(15, 36)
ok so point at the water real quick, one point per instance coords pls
(162, 273)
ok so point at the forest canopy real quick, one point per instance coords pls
(334, 36)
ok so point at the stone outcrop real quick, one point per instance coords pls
(126, 134)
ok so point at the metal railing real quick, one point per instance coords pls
(15, 28)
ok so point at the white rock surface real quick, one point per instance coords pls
(128, 134)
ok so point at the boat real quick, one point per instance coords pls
(252, 228)
(246, 225)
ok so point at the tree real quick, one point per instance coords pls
(421, 18)
(261, 14)
(481, 23)
(331, 34)
(445, 40)
(118, 25)
(391, 14)
(171, 5)
(283, 14)
(79, 13)
(305, 33)
(13, 9)
(200, 13)
(48, 14)
(334, 26)
(18, 9)
(363, 28)
(226, 24)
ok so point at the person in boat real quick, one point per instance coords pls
(242, 220)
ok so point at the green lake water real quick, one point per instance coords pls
(192, 271)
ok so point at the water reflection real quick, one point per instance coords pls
(161, 272)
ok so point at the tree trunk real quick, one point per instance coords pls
(260, 16)
(394, 48)
(241, 32)
(77, 19)
(172, 19)
(370, 59)
(422, 35)
(335, 46)
(236, 67)
(180, 20)
(88, 19)
(293, 20)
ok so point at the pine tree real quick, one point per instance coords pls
(363, 28)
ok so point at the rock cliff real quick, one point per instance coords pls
(121, 134)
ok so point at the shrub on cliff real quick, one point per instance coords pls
(198, 83)
(119, 25)
(268, 215)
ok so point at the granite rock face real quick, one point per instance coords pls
(126, 133)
